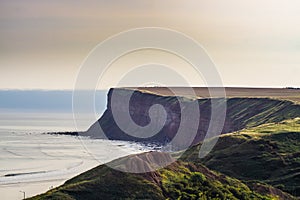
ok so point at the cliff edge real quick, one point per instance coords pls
(241, 113)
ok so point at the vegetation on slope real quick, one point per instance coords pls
(180, 180)
(251, 112)
(190, 181)
(269, 153)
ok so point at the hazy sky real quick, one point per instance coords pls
(252, 42)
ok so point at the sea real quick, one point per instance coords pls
(32, 161)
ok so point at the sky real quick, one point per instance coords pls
(253, 43)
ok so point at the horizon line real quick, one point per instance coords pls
(226, 86)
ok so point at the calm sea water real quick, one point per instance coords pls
(32, 162)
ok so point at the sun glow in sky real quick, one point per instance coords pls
(253, 43)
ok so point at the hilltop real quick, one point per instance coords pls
(289, 93)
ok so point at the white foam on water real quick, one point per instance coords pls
(33, 162)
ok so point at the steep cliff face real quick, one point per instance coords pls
(241, 113)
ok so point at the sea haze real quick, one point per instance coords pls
(40, 110)
(44, 101)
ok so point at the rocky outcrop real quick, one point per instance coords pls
(241, 113)
(142, 163)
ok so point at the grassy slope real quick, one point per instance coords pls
(251, 112)
(269, 153)
(180, 180)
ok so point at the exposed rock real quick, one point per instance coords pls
(142, 163)
(241, 113)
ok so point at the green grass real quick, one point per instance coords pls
(181, 180)
(292, 125)
(252, 112)
(268, 153)
(105, 183)
(186, 184)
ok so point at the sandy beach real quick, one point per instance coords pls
(32, 162)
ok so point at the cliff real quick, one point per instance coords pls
(241, 113)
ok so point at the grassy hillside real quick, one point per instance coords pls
(251, 112)
(269, 153)
(180, 180)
